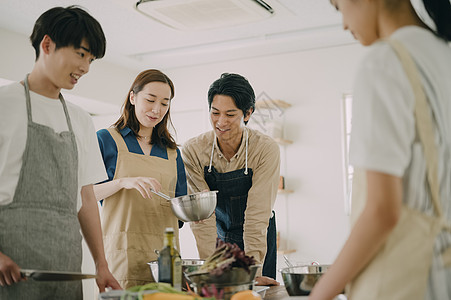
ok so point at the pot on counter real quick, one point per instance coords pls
(188, 266)
(300, 280)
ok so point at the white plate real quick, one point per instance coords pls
(117, 294)
(261, 290)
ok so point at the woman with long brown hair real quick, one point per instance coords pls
(140, 155)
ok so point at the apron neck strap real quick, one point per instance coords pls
(27, 98)
(28, 102)
(424, 123)
(247, 140)
(213, 149)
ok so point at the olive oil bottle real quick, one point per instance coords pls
(170, 262)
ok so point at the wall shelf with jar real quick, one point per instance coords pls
(284, 191)
(269, 118)
(283, 142)
(285, 251)
(271, 104)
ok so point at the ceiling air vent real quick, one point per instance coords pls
(204, 14)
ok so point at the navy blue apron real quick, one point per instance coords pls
(233, 190)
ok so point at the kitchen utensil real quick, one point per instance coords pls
(193, 207)
(289, 264)
(300, 280)
(162, 195)
(42, 275)
(261, 290)
(188, 266)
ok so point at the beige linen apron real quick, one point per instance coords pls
(133, 227)
(401, 268)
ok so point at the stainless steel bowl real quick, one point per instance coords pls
(188, 266)
(229, 283)
(300, 280)
(224, 291)
(194, 207)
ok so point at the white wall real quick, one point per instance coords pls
(312, 219)
(104, 82)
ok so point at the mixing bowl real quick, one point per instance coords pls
(188, 266)
(299, 280)
(229, 283)
(194, 207)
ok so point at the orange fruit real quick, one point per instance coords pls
(246, 295)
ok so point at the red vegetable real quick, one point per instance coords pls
(226, 257)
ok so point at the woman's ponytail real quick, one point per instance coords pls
(440, 13)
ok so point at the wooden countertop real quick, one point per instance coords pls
(280, 293)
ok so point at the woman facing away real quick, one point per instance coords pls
(140, 155)
(389, 153)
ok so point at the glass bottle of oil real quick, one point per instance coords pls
(170, 262)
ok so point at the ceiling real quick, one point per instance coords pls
(136, 41)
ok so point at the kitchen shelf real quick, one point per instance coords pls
(271, 113)
(272, 104)
(283, 141)
(285, 251)
(283, 191)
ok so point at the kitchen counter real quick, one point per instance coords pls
(280, 293)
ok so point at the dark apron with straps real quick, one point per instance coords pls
(40, 228)
(231, 204)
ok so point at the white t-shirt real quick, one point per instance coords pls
(49, 112)
(383, 134)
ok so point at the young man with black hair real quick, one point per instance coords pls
(244, 166)
(49, 159)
